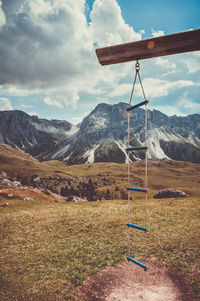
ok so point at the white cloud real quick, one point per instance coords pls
(2, 16)
(14, 90)
(163, 62)
(107, 25)
(182, 107)
(157, 87)
(33, 113)
(76, 120)
(120, 90)
(5, 104)
(42, 58)
(168, 110)
(54, 54)
(54, 102)
(157, 33)
(26, 106)
(193, 62)
(60, 65)
(153, 87)
(196, 54)
(189, 106)
(62, 101)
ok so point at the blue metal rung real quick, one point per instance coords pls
(137, 189)
(136, 148)
(137, 227)
(137, 105)
(138, 263)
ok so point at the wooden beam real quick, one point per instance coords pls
(160, 46)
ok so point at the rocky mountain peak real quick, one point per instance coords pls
(102, 135)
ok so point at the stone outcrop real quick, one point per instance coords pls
(170, 193)
(75, 199)
(4, 205)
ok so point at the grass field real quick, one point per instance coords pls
(161, 173)
(48, 249)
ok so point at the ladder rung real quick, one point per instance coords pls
(137, 189)
(137, 148)
(138, 263)
(138, 227)
(137, 105)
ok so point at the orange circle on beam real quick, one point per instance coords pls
(151, 45)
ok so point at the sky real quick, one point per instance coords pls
(49, 68)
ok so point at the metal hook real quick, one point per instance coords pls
(137, 66)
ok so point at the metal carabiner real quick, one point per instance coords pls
(137, 66)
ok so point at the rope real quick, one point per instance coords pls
(129, 239)
(137, 74)
(133, 87)
(146, 159)
(141, 85)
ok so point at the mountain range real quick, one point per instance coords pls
(102, 135)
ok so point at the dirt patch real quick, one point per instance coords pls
(128, 282)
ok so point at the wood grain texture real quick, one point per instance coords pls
(160, 46)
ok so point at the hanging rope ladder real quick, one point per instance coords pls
(155, 47)
(132, 149)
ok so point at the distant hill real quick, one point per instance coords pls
(102, 135)
(105, 180)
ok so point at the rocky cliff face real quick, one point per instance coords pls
(102, 135)
(37, 137)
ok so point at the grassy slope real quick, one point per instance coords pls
(161, 173)
(47, 249)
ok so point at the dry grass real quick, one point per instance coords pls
(47, 249)
(161, 173)
(23, 192)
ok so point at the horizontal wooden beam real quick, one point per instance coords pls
(165, 45)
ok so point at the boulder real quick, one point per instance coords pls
(37, 180)
(4, 205)
(9, 183)
(27, 198)
(170, 193)
(75, 199)
(3, 173)
(6, 182)
(47, 191)
(17, 184)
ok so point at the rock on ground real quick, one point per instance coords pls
(75, 199)
(4, 205)
(27, 198)
(170, 193)
(8, 183)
